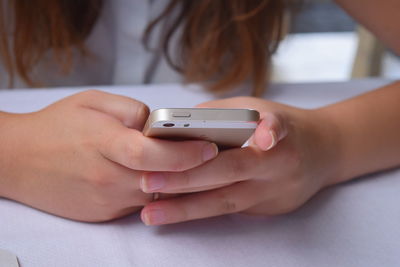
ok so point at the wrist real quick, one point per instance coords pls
(337, 141)
(327, 140)
(8, 156)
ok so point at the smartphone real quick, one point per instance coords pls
(225, 127)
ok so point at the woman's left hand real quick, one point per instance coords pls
(292, 155)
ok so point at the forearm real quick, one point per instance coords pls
(4, 179)
(11, 151)
(368, 130)
(381, 19)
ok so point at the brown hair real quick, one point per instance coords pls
(225, 42)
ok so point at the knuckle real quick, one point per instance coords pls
(185, 181)
(226, 204)
(98, 179)
(88, 144)
(134, 154)
(90, 93)
(87, 175)
(102, 181)
(102, 203)
(141, 112)
(236, 168)
(293, 158)
(85, 96)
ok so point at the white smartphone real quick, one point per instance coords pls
(225, 127)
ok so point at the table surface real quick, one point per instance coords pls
(353, 224)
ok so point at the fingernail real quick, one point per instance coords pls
(210, 151)
(153, 217)
(273, 139)
(152, 182)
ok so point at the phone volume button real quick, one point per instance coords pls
(181, 114)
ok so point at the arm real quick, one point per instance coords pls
(293, 155)
(380, 17)
(5, 183)
(369, 132)
(82, 157)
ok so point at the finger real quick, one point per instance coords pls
(113, 174)
(133, 150)
(118, 185)
(230, 166)
(271, 129)
(231, 199)
(176, 186)
(130, 112)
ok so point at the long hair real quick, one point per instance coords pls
(221, 42)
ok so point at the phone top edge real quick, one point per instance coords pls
(166, 114)
(204, 109)
(205, 125)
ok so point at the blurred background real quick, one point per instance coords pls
(341, 49)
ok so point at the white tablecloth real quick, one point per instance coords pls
(353, 224)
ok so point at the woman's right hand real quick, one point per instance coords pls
(82, 157)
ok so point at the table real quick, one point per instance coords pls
(353, 224)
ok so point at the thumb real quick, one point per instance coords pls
(271, 129)
(130, 112)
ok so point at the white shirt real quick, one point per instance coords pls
(118, 54)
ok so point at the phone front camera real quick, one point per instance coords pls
(168, 124)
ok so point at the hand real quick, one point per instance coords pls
(291, 156)
(82, 157)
